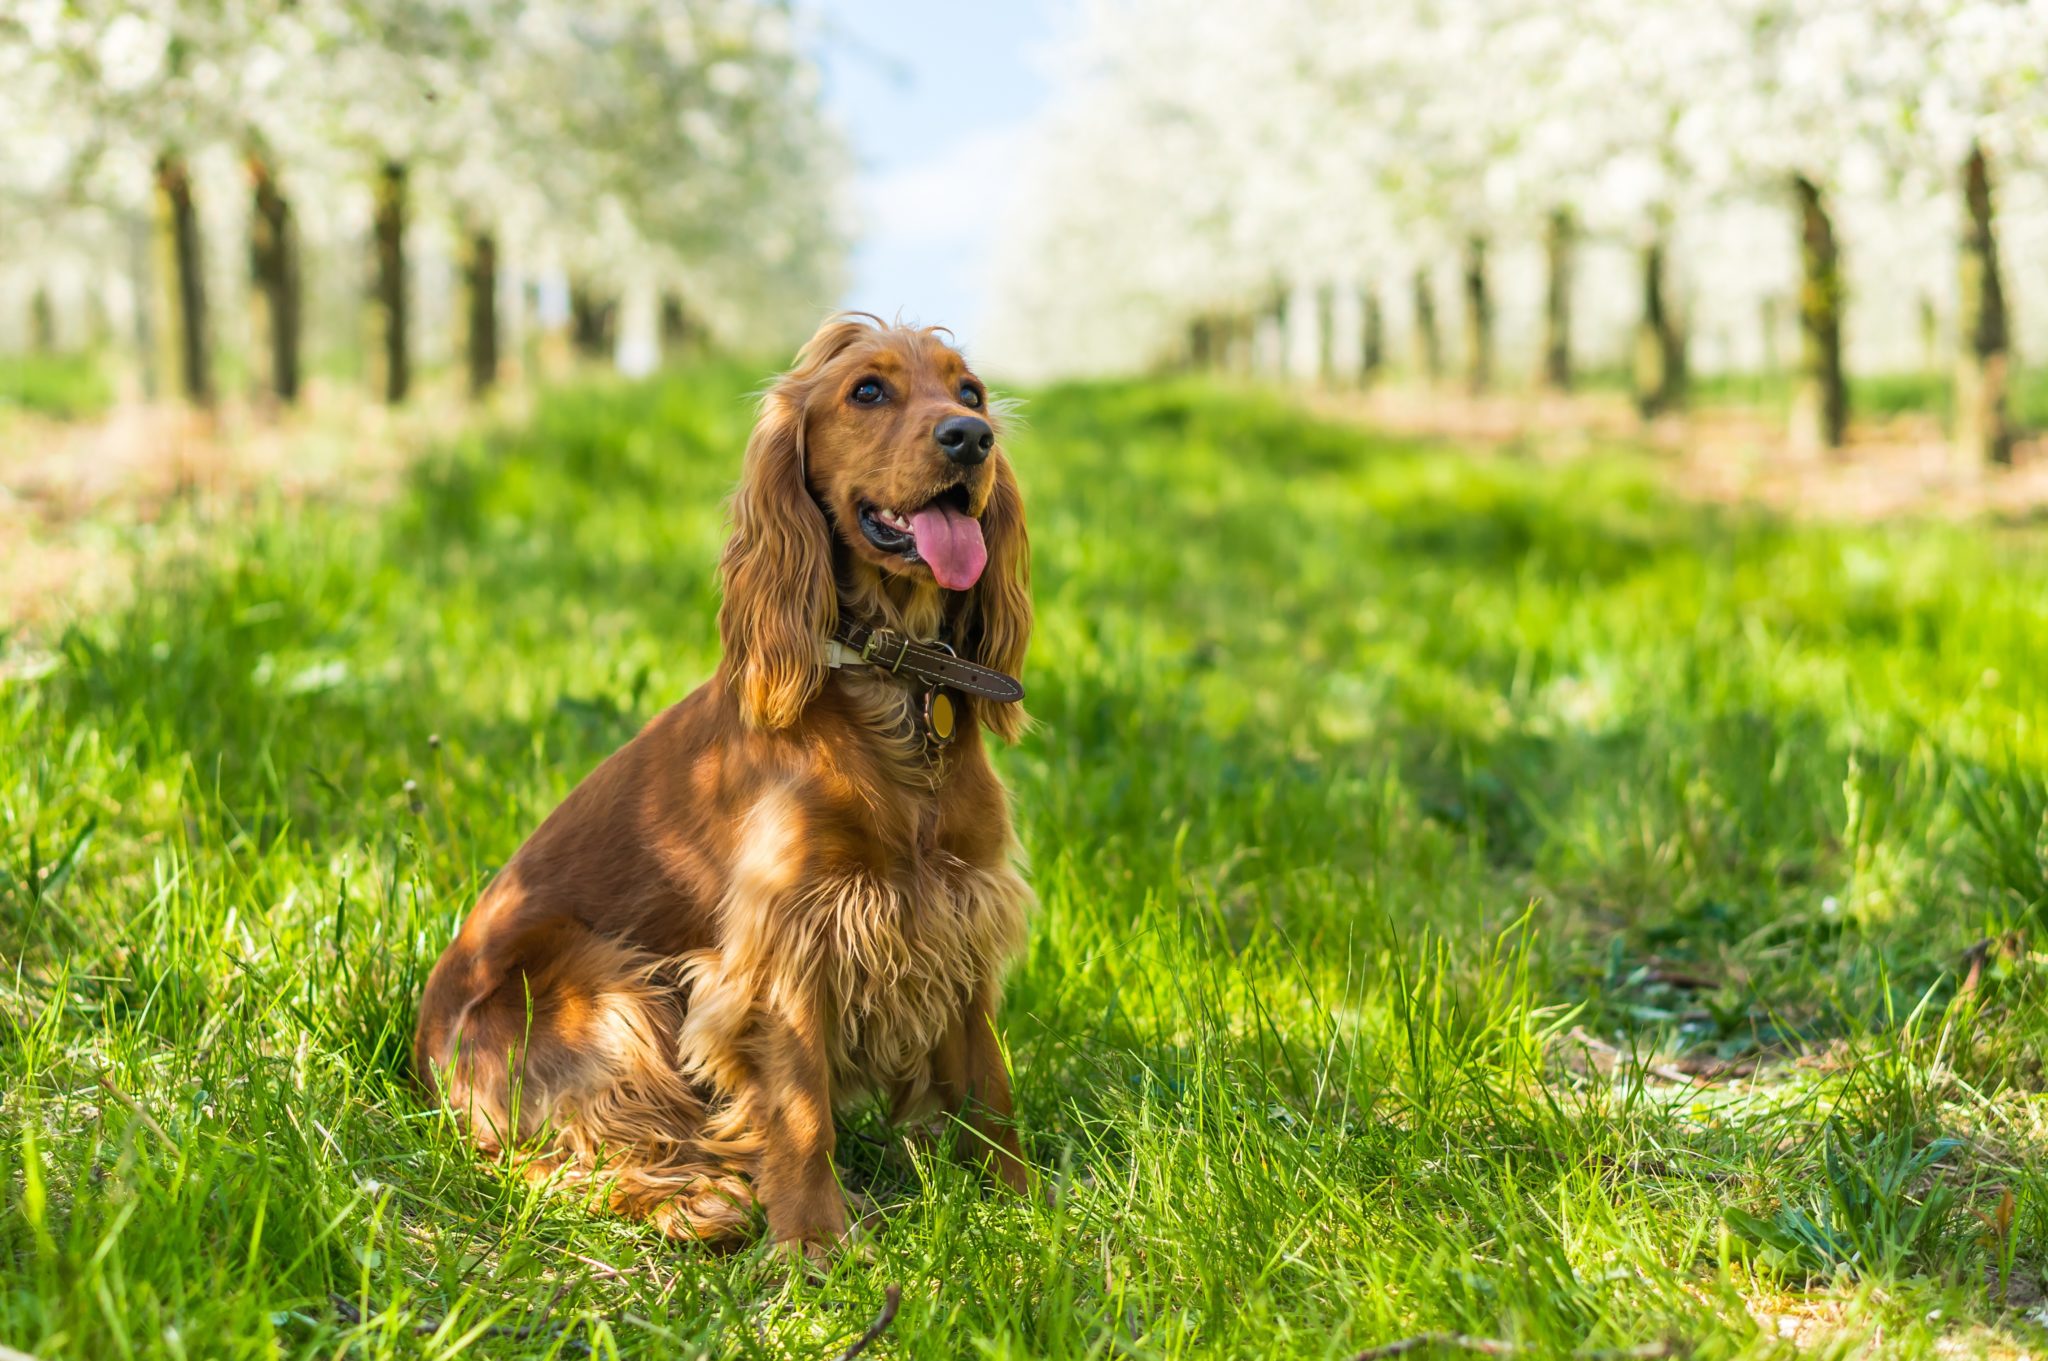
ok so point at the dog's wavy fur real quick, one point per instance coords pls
(771, 901)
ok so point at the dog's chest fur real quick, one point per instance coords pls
(914, 941)
(893, 951)
(908, 952)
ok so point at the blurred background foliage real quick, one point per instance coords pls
(1502, 192)
(248, 194)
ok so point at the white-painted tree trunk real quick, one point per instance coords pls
(1347, 333)
(636, 352)
(1303, 318)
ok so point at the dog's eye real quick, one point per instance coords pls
(868, 391)
(970, 395)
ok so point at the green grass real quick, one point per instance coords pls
(1389, 809)
(67, 386)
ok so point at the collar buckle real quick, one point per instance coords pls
(871, 650)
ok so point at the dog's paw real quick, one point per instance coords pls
(808, 1260)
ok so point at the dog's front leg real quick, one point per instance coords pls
(795, 1181)
(972, 1081)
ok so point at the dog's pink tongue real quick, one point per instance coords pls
(951, 543)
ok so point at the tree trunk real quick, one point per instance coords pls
(1660, 346)
(274, 271)
(1375, 349)
(591, 322)
(1478, 318)
(97, 320)
(636, 348)
(392, 210)
(1557, 303)
(1301, 340)
(582, 319)
(142, 278)
(1429, 344)
(1201, 346)
(1983, 359)
(480, 278)
(1328, 350)
(1820, 410)
(178, 225)
(675, 325)
(1769, 318)
(42, 321)
(1269, 338)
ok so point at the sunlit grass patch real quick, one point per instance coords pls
(69, 386)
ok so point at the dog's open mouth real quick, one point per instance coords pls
(941, 535)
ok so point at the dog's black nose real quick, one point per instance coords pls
(966, 439)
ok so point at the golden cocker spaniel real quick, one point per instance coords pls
(796, 886)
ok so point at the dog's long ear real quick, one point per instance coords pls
(1001, 627)
(779, 601)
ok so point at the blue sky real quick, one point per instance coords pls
(935, 99)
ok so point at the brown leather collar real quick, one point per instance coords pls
(932, 664)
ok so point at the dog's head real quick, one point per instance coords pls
(876, 479)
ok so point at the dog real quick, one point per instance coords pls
(798, 886)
